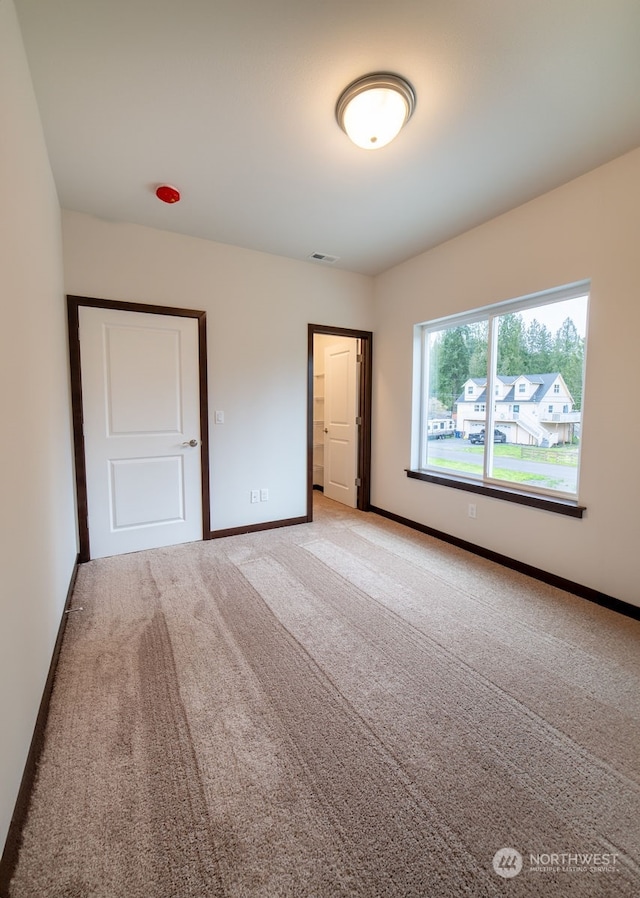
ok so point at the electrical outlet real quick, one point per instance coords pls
(255, 495)
(472, 510)
(264, 495)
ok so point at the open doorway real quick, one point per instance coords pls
(339, 415)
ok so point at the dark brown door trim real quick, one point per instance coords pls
(364, 401)
(73, 306)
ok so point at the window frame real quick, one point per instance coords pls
(561, 502)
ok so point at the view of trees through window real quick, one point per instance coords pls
(530, 399)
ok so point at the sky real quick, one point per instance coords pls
(553, 315)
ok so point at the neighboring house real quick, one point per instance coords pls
(531, 409)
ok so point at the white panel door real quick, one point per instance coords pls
(340, 410)
(140, 402)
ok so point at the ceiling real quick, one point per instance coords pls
(232, 101)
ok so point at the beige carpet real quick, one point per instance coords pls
(345, 708)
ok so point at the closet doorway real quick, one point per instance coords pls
(339, 419)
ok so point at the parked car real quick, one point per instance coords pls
(478, 438)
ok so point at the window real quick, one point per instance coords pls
(529, 349)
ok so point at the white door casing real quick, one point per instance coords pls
(140, 405)
(340, 411)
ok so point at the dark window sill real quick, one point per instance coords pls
(534, 500)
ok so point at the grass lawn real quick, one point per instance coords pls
(498, 473)
(513, 450)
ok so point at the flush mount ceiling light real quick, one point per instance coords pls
(373, 109)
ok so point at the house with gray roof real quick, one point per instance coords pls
(531, 409)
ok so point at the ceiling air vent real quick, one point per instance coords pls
(323, 257)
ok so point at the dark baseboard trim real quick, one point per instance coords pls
(584, 592)
(255, 528)
(317, 486)
(18, 819)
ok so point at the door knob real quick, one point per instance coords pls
(191, 443)
(326, 430)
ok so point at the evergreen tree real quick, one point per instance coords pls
(452, 365)
(512, 354)
(539, 348)
(567, 357)
(477, 344)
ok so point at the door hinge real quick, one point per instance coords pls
(358, 481)
(359, 421)
(359, 357)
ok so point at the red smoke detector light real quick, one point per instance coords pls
(168, 194)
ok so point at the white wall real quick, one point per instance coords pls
(589, 228)
(38, 536)
(258, 307)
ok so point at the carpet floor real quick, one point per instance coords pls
(342, 708)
